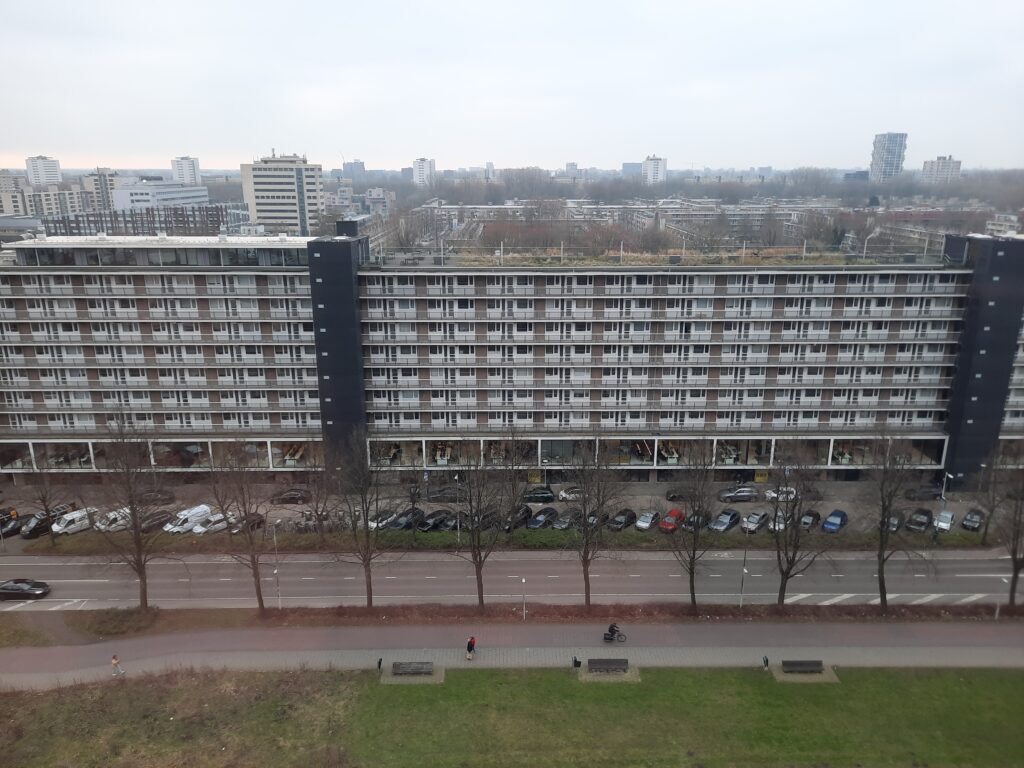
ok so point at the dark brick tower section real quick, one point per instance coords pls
(988, 345)
(334, 286)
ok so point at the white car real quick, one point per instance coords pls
(572, 493)
(76, 521)
(779, 522)
(115, 520)
(754, 522)
(212, 524)
(187, 519)
(944, 522)
(780, 494)
(382, 520)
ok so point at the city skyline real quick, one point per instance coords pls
(815, 82)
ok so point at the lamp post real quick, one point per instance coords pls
(743, 574)
(524, 598)
(945, 478)
(873, 234)
(277, 565)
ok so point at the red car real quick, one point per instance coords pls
(672, 521)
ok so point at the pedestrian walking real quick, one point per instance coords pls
(115, 664)
(470, 648)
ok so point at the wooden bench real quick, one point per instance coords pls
(803, 667)
(412, 668)
(608, 665)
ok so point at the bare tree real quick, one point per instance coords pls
(49, 496)
(793, 489)
(244, 506)
(1011, 531)
(363, 503)
(695, 492)
(892, 474)
(134, 488)
(600, 489)
(992, 490)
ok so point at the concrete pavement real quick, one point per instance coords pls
(728, 644)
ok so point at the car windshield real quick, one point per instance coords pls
(723, 519)
(834, 519)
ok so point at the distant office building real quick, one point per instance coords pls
(654, 170)
(941, 170)
(1002, 225)
(185, 170)
(887, 156)
(632, 169)
(160, 194)
(43, 170)
(856, 176)
(284, 193)
(423, 171)
(353, 169)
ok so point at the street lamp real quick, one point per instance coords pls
(277, 565)
(524, 598)
(743, 574)
(945, 478)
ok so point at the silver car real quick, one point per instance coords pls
(647, 519)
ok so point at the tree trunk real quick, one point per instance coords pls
(254, 566)
(586, 584)
(479, 569)
(783, 584)
(883, 598)
(368, 580)
(1014, 578)
(693, 587)
(984, 528)
(143, 590)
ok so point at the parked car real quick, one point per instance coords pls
(648, 519)
(451, 521)
(597, 519)
(783, 494)
(213, 524)
(433, 521)
(924, 493)
(896, 521)
(671, 521)
(518, 519)
(407, 519)
(187, 519)
(539, 494)
(566, 519)
(726, 521)
(543, 518)
(115, 520)
(75, 522)
(739, 493)
(835, 522)
(37, 525)
(381, 520)
(754, 522)
(674, 494)
(250, 522)
(624, 519)
(973, 520)
(944, 522)
(23, 589)
(779, 521)
(10, 522)
(447, 494)
(156, 497)
(920, 520)
(158, 518)
(292, 496)
(693, 522)
(572, 493)
(810, 520)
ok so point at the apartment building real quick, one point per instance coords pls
(423, 171)
(283, 342)
(192, 341)
(887, 154)
(158, 194)
(941, 170)
(185, 170)
(654, 170)
(42, 170)
(284, 193)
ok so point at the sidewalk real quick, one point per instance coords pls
(514, 646)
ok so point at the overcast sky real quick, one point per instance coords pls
(720, 84)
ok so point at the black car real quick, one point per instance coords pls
(23, 589)
(921, 520)
(292, 496)
(156, 519)
(451, 521)
(448, 494)
(12, 525)
(156, 497)
(544, 518)
(596, 520)
(407, 519)
(694, 522)
(924, 493)
(896, 520)
(250, 523)
(810, 520)
(566, 519)
(433, 521)
(518, 519)
(674, 494)
(624, 519)
(539, 494)
(973, 520)
(38, 524)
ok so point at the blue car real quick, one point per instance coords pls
(835, 522)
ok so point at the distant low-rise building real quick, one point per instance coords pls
(1002, 225)
(160, 194)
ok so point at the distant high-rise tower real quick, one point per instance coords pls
(43, 170)
(941, 170)
(655, 170)
(353, 169)
(887, 156)
(284, 193)
(423, 172)
(185, 170)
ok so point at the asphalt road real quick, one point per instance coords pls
(626, 577)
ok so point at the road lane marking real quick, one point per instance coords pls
(971, 599)
(79, 581)
(979, 575)
(714, 575)
(552, 577)
(430, 577)
(836, 599)
(925, 599)
(834, 575)
(16, 605)
(634, 575)
(350, 578)
(795, 598)
(390, 577)
(309, 578)
(223, 579)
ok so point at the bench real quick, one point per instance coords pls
(803, 667)
(412, 668)
(608, 665)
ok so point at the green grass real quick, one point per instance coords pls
(514, 719)
(112, 622)
(14, 632)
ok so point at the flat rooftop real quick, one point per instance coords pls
(159, 241)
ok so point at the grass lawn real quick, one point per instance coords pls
(481, 718)
(14, 632)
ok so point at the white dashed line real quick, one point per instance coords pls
(925, 599)
(795, 598)
(971, 598)
(836, 599)
(309, 578)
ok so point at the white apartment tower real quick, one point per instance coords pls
(887, 156)
(423, 172)
(284, 193)
(655, 170)
(941, 170)
(43, 170)
(185, 170)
